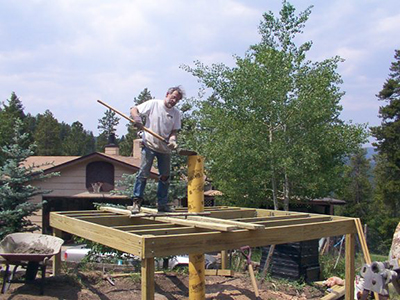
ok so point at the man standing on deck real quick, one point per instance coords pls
(163, 118)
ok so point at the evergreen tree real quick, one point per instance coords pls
(15, 188)
(126, 145)
(357, 191)
(47, 135)
(271, 129)
(387, 169)
(79, 141)
(108, 123)
(12, 110)
(65, 131)
(107, 126)
(388, 140)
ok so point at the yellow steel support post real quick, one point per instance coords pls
(197, 286)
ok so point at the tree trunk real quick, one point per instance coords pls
(273, 178)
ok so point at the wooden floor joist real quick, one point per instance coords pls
(224, 228)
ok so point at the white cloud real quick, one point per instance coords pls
(63, 55)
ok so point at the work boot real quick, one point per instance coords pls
(136, 204)
(165, 208)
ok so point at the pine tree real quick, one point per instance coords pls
(387, 170)
(15, 188)
(388, 141)
(357, 191)
(12, 110)
(108, 123)
(78, 141)
(126, 146)
(107, 126)
(47, 135)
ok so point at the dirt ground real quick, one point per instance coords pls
(91, 285)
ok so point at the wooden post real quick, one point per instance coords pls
(224, 260)
(57, 257)
(148, 288)
(197, 286)
(350, 267)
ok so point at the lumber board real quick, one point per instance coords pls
(120, 211)
(276, 213)
(167, 214)
(363, 241)
(337, 292)
(233, 214)
(294, 221)
(91, 214)
(199, 224)
(113, 220)
(78, 212)
(204, 242)
(239, 224)
(219, 272)
(166, 231)
(147, 226)
(114, 238)
(350, 266)
(272, 218)
(148, 284)
(364, 246)
(151, 212)
(56, 258)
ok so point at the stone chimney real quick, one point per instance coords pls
(137, 148)
(112, 147)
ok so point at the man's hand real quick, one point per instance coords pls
(138, 122)
(172, 145)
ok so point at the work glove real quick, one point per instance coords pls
(172, 145)
(138, 122)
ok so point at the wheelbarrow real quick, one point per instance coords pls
(29, 250)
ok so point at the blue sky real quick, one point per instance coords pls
(63, 55)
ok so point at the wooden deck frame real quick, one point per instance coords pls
(158, 237)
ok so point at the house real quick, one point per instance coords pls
(83, 180)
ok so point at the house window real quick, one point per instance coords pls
(99, 176)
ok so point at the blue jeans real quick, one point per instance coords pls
(164, 166)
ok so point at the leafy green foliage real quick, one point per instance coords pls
(15, 187)
(271, 128)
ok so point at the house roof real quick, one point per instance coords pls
(56, 163)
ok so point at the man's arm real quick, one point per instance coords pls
(172, 140)
(173, 135)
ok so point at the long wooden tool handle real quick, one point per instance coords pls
(253, 280)
(129, 119)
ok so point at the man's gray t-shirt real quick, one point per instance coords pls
(161, 120)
